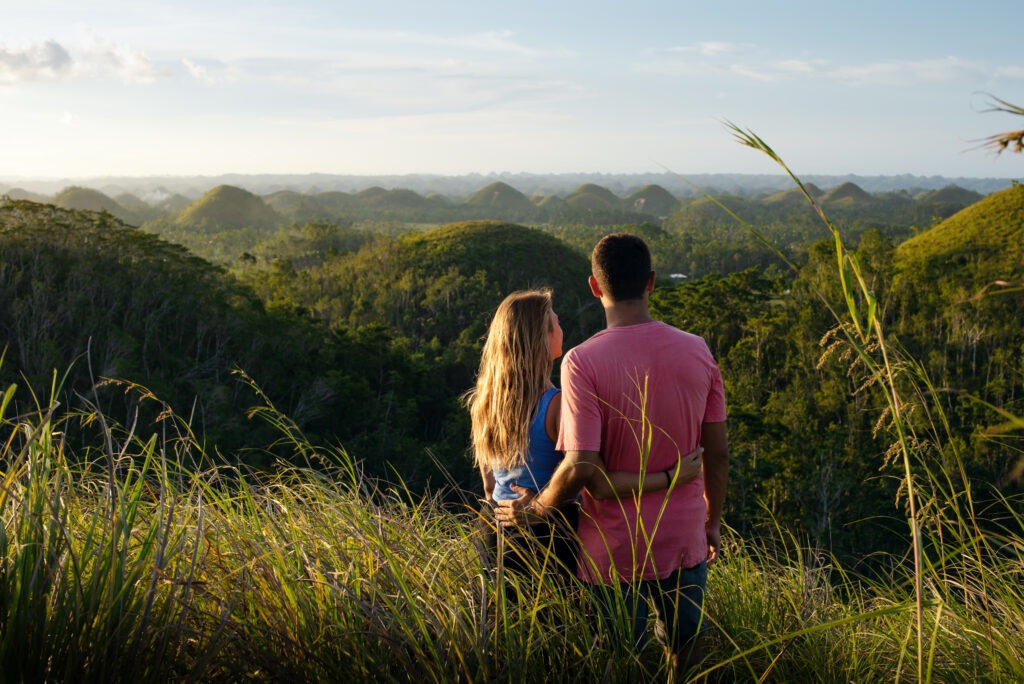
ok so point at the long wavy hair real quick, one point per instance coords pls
(515, 369)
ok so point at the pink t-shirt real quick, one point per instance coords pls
(623, 389)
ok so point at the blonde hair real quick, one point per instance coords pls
(515, 369)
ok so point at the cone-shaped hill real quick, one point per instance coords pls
(295, 205)
(951, 194)
(226, 206)
(87, 199)
(22, 194)
(174, 203)
(130, 201)
(500, 196)
(377, 197)
(444, 284)
(591, 196)
(847, 194)
(794, 198)
(652, 199)
(550, 202)
(977, 245)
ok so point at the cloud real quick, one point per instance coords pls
(104, 57)
(910, 72)
(713, 58)
(711, 48)
(493, 42)
(1010, 72)
(38, 62)
(97, 58)
(200, 72)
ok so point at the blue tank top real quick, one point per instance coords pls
(541, 458)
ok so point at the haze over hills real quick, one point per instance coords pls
(156, 189)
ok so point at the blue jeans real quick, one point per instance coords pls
(678, 601)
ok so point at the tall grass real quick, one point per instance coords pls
(129, 566)
(967, 565)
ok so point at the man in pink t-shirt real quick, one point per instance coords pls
(637, 396)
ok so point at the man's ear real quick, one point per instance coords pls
(650, 281)
(595, 289)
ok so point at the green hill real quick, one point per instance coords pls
(87, 199)
(22, 194)
(173, 203)
(444, 284)
(377, 198)
(848, 195)
(550, 203)
(296, 206)
(226, 206)
(592, 196)
(983, 242)
(130, 201)
(143, 308)
(653, 200)
(794, 198)
(500, 196)
(951, 194)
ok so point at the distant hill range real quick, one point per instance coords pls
(232, 207)
(154, 190)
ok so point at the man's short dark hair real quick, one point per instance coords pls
(621, 264)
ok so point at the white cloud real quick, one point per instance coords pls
(199, 72)
(97, 58)
(41, 61)
(103, 56)
(1010, 72)
(801, 66)
(910, 72)
(711, 48)
(495, 42)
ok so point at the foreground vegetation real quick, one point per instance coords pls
(125, 566)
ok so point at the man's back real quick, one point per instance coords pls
(638, 394)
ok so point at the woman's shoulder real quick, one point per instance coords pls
(553, 417)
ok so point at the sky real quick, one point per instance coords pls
(135, 88)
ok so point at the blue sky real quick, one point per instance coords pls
(101, 88)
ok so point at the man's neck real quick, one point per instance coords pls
(629, 312)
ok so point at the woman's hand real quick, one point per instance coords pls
(689, 467)
(512, 512)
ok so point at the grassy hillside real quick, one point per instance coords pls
(226, 206)
(846, 194)
(502, 197)
(987, 238)
(444, 283)
(592, 196)
(87, 199)
(82, 285)
(653, 200)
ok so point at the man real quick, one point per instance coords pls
(636, 396)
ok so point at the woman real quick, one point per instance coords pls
(515, 411)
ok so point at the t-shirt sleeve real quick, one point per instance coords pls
(714, 411)
(581, 409)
